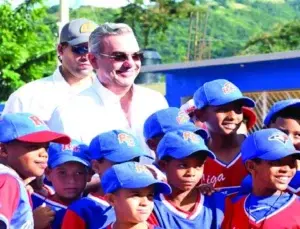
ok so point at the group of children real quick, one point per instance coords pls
(212, 176)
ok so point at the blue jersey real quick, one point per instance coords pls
(88, 213)
(59, 208)
(208, 213)
(15, 205)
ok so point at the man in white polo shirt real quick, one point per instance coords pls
(114, 101)
(42, 96)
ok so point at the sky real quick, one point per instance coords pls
(77, 3)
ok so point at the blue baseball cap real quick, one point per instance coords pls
(27, 127)
(116, 146)
(170, 119)
(131, 175)
(75, 151)
(279, 106)
(180, 144)
(219, 92)
(268, 144)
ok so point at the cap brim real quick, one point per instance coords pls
(245, 101)
(251, 116)
(159, 187)
(272, 155)
(65, 159)
(121, 156)
(79, 40)
(45, 136)
(179, 154)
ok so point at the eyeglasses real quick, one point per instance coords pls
(80, 49)
(122, 56)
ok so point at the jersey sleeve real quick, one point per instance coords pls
(9, 198)
(72, 220)
(13, 104)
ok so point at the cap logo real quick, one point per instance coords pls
(87, 27)
(71, 147)
(126, 138)
(36, 121)
(190, 136)
(139, 168)
(279, 137)
(228, 88)
(182, 117)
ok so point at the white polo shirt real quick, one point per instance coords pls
(42, 96)
(97, 110)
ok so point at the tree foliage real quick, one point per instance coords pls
(282, 38)
(27, 45)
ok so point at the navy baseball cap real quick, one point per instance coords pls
(27, 127)
(75, 151)
(268, 144)
(279, 106)
(116, 146)
(77, 31)
(170, 119)
(131, 175)
(219, 92)
(180, 144)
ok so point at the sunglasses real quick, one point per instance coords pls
(80, 49)
(122, 56)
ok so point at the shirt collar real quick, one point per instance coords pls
(108, 97)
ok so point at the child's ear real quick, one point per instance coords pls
(251, 166)
(162, 165)
(152, 144)
(3, 151)
(95, 166)
(110, 198)
(200, 115)
(47, 173)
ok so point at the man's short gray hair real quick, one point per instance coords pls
(107, 29)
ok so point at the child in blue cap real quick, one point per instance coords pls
(106, 149)
(68, 171)
(166, 120)
(270, 157)
(130, 188)
(24, 140)
(182, 155)
(285, 116)
(219, 105)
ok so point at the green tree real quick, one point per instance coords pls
(283, 37)
(27, 45)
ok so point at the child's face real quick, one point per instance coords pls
(28, 159)
(274, 175)
(225, 119)
(100, 166)
(133, 205)
(68, 179)
(289, 126)
(184, 174)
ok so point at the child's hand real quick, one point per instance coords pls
(43, 216)
(27, 182)
(206, 189)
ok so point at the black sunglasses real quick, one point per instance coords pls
(80, 49)
(122, 56)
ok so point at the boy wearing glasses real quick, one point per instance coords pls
(42, 96)
(114, 101)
